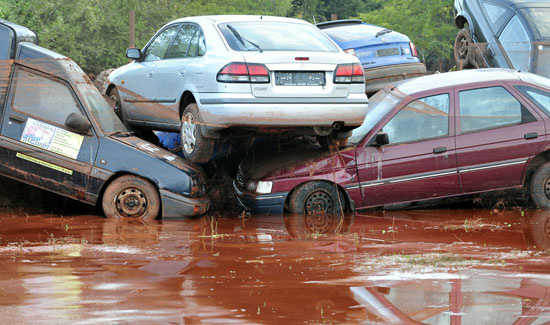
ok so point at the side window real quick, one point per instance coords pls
(195, 45)
(5, 46)
(516, 43)
(494, 12)
(489, 108)
(540, 98)
(421, 119)
(157, 48)
(43, 98)
(202, 44)
(179, 48)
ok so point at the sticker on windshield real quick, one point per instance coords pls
(52, 138)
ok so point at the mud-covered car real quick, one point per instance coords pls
(11, 35)
(503, 34)
(386, 55)
(426, 138)
(215, 77)
(58, 133)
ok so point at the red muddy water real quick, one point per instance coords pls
(433, 267)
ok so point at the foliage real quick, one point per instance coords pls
(429, 24)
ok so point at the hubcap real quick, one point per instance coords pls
(131, 202)
(547, 188)
(319, 203)
(463, 47)
(188, 133)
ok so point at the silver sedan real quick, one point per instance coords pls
(216, 77)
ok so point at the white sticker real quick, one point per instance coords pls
(52, 138)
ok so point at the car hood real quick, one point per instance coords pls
(299, 160)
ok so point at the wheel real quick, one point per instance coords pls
(317, 198)
(195, 146)
(463, 50)
(131, 197)
(540, 187)
(114, 95)
(540, 229)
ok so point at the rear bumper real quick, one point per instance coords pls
(272, 204)
(378, 78)
(177, 206)
(245, 110)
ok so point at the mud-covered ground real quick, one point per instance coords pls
(424, 266)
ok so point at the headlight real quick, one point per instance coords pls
(264, 187)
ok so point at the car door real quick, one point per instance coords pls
(139, 82)
(36, 146)
(496, 15)
(496, 134)
(419, 162)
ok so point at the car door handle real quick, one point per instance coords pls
(182, 73)
(440, 150)
(149, 74)
(17, 119)
(532, 135)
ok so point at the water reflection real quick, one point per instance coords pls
(435, 267)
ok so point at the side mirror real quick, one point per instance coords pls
(381, 139)
(76, 122)
(133, 53)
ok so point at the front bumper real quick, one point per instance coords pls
(177, 206)
(273, 203)
(378, 78)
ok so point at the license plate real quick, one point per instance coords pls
(292, 78)
(387, 52)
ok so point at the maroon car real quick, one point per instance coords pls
(431, 137)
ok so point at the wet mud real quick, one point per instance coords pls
(423, 266)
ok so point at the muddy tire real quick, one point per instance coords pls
(540, 187)
(131, 197)
(194, 145)
(114, 95)
(337, 139)
(463, 50)
(316, 200)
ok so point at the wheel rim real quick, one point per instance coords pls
(547, 188)
(463, 46)
(319, 223)
(131, 202)
(188, 133)
(319, 203)
(547, 229)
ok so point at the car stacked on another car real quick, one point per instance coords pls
(58, 133)
(426, 138)
(503, 34)
(215, 77)
(386, 56)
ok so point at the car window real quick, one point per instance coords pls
(538, 21)
(275, 36)
(539, 97)
(156, 50)
(489, 108)
(516, 43)
(202, 44)
(352, 32)
(7, 39)
(194, 47)
(181, 43)
(421, 119)
(494, 12)
(43, 98)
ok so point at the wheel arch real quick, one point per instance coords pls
(109, 88)
(186, 98)
(349, 203)
(539, 160)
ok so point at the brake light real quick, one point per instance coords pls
(243, 72)
(414, 52)
(350, 51)
(349, 73)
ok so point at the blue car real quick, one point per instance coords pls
(386, 55)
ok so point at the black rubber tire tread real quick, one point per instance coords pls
(467, 62)
(126, 182)
(297, 200)
(538, 182)
(204, 147)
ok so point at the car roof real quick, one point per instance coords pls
(238, 18)
(521, 3)
(455, 78)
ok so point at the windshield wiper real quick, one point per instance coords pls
(121, 134)
(383, 31)
(242, 39)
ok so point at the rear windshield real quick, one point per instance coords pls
(539, 22)
(275, 36)
(351, 32)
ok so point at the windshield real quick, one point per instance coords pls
(103, 113)
(379, 105)
(539, 22)
(276, 36)
(352, 32)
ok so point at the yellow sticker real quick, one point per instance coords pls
(44, 163)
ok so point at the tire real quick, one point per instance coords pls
(540, 229)
(317, 198)
(540, 187)
(131, 197)
(195, 147)
(338, 139)
(113, 94)
(463, 50)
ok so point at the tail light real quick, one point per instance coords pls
(349, 73)
(414, 52)
(350, 51)
(243, 72)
